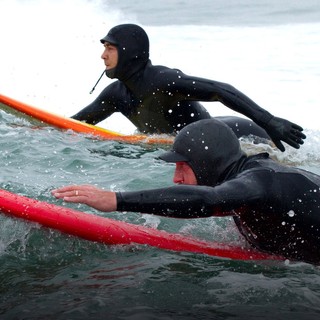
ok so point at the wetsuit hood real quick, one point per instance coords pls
(132, 43)
(210, 148)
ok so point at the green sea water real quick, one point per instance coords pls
(50, 57)
(45, 274)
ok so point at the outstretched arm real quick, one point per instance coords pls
(277, 128)
(208, 90)
(180, 201)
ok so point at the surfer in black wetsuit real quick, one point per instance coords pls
(275, 207)
(157, 99)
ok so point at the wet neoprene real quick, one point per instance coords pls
(157, 99)
(275, 207)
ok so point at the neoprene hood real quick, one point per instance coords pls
(132, 43)
(209, 147)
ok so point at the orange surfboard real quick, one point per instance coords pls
(9, 104)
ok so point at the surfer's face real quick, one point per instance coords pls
(184, 174)
(110, 55)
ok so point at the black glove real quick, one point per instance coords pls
(280, 129)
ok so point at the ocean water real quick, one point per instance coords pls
(50, 58)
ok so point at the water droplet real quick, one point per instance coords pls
(291, 213)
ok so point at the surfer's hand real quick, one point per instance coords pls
(280, 129)
(87, 194)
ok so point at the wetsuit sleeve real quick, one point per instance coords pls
(194, 201)
(101, 108)
(201, 89)
(193, 88)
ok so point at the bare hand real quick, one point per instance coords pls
(87, 194)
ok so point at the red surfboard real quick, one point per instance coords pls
(108, 231)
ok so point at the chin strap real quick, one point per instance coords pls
(104, 71)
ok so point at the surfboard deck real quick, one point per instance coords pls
(100, 229)
(11, 105)
(113, 232)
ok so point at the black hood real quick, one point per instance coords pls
(211, 149)
(133, 50)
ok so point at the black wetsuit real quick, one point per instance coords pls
(158, 99)
(161, 100)
(276, 208)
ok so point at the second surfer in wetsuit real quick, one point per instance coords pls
(158, 99)
(275, 207)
